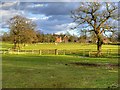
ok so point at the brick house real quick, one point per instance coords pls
(106, 41)
(65, 39)
(58, 39)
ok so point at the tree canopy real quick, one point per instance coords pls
(98, 16)
(22, 30)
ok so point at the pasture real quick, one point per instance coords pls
(78, 49)
(59, 71)
(59, 46)
(26, 71)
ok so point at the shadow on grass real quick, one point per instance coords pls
(94, 56)
(93, 64)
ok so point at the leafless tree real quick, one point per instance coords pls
(98, 16)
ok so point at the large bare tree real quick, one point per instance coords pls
(22, 30)
(98, 17)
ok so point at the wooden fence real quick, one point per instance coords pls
(80, 52)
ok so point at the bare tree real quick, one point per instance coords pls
(97, 16)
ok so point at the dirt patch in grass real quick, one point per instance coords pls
(93, 64)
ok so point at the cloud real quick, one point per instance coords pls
(63, 28)
(55, 8)
(7, 14)
(66, 28)
(46, 8)
(9, 5)
(58, 28)
(49, 17)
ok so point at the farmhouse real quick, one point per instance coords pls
(106, 41)
(65, 39)
(58, 39)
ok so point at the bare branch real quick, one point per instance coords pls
(109, 11)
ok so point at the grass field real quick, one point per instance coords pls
(59, 46)
(78, 49)
(25, 71)
(66, 71)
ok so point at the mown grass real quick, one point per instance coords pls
(59, 46)
(78, 49)
(5, 45)
(33, 71)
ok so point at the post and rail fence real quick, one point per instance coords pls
(80, 52)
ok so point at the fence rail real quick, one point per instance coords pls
(81, 52)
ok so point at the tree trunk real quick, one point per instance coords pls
(99, 45)
(15, 43)
(99, 48)
(24, 44)
(18, 42)
(18, 47)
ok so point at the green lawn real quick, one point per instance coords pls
(59, 46)
(78, 49)
(66, 71)
(26, 71)
(5, 45)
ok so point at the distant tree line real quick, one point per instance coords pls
(23, 30)
(51, 38)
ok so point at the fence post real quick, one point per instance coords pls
(109, 51)
(25, 51)
(9, 51)
(63, 52)
(17, 51)
(39, 52)
(48, 52)
(56, 52)
(32, 51)
(89, 53)
(83, 52)
(3, 51)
